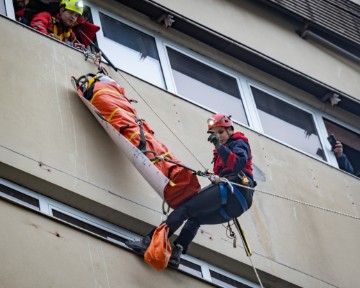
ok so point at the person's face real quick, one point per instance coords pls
(20, 4)
(224, 133)
(68, 17)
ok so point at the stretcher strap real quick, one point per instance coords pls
(161, 157)
(112, 114)
(104, 90)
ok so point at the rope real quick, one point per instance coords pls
(294, 200)
(237, 225)
(158, 116)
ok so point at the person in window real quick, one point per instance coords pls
(216, 203)
(60, 26)
(19, 8)
(343, 161)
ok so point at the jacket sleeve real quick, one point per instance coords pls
(236, 156)
(41, 22)
(344, 164)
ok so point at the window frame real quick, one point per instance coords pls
(211, 64)
(331, 155)
(297, 104)
(95, 12)
(9, 9)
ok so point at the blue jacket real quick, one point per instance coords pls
(234, 156)
(344, 164)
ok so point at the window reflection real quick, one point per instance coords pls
(206, 86)
(288, 124)
(131, 50)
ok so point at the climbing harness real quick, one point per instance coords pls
(225, 187)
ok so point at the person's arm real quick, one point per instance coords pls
(343, 161)
(235, 159)
(344, 164)
(41, 22)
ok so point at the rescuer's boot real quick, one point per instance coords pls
(176, 253)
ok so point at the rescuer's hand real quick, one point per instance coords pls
(215, 178)
(215, 139)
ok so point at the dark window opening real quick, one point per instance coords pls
(350, 141)
(191, 268)
(20, 196)
(225, 281)
(88, 227)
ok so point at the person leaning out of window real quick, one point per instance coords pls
(343, 161)
(19, 9)
(60, 26)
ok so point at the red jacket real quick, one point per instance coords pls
(47, 24)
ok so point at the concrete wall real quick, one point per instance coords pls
(39, 252)
(43, 122)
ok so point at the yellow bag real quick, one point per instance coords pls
(159, 250)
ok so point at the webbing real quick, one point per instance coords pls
(224, 189)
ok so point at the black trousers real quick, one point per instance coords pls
(204, 208)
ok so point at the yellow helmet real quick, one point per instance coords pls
(73, 5)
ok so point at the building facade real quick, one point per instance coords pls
(287, 75)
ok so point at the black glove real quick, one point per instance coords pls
(215, 139)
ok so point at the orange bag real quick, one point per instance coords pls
(159, 250)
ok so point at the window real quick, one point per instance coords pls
(15, 194)
(350, 141)
(191, 267)
(2, 7)
(206, 86)
(131, 50)
(86, 226)
(288, 123)
(225, 281)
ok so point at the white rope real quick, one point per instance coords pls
(294, 200)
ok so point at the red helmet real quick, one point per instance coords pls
(219, 120)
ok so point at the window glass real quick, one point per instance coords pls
(131, 50)
(20, 196)
(288, 123)
(206, 86)
(350, 141)
(2, 8)
(225, 281)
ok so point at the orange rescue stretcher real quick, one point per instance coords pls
(109, 99)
